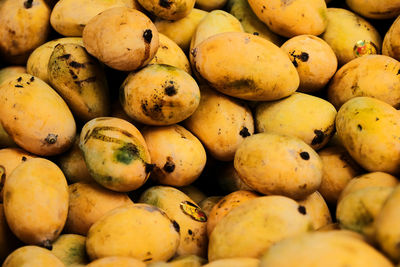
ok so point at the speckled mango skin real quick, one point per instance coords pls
(193, 232)
(391, 41)
(69, 17)
(115, 153)
(122, 38)
(310, 118)
(293, 17)
(168, 9)
(386, 228)
(385, 9)
(371, 75)
(248, 74)
(343, 32)
(358, 210)
(173, 97)
(80, 80)
(42, 184)
(244, 232)
(234, 262)
(88, 202)
(370, 130)
(24, 27)
(35, 116)
(71, 250)
(275, 164)
(318, 210)
(32, 256)
(10, 71)
(117, 261)
(140, 231)
(331, 248)
(229, 121)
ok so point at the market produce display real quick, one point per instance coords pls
(188, 133)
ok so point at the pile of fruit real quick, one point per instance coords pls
(186, 133)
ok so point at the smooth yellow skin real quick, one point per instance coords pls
(69, 17)
(225, 205)
(275, 164)
(234, 262)
(42, 184)
(338, 168)
(358, 210)
(80, 80)
(385, 9)
(35, 116)
(343, 32)
(373, 75)
(369, 129)
(314, 60)
(387, 233)
(391, 41)
(187, 261)
(193, 192)
(229, 180)
(140, 231)
(170, 53)
(117, 261)
(245, 231)
(208, 204)
(73, 165)
(372, 179)
(182, 30)
(168, 9)
(115, 153)
(251, 24)
(88, 202)
(122, 38)
(178, 155)
(249, 74)
(291, 18)
(32, 256)
(330, 249)
(193, 232)
(10, 158)
(173, 97)
(23, 28)
(37, 64)
(71, 250)
(228, 122)
(10, 71)
(318, 210)
(306, 117)
(8, 242)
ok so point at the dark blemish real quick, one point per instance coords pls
(23, 158)
(82, 25)
(164, 47)
(11, 31)
(149, 167)
(66, 56)
(295, 63)
(28, 4)
(190, 232)
(76, 65)
(304, 186)
(122, 23)
(376, 119)
(19, 79)
(176, 226)
(304, 56)
(319, 137)
(165, 3)
(302, 210)
(194, 52)
(221, 203)
(127, 153)
(51, 139)
(47, 244)
(148, 259)
(32, 79)
(244, 132)
(144, 106)
(169, 165)
(304, 155)
(128, 49)
(148, 35)
(398, 72)
(256, 33)
(88, 80)
(359, 127)
(157, 107)
(19, 86)
(2, 177)
(170, 90)
(74, 76)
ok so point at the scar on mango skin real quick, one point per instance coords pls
(244, 132)
(303, 57)
(165, 3)
(148, 35)
(304, 155)
(169, 165)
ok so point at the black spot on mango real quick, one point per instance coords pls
(244, 132)
(170, 90)
(28, 4)
(319, 137)
(304, 155)
(169, 166)
(148, 36)
(165, 3)
(302, 210)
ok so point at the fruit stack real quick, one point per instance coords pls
(190, 133)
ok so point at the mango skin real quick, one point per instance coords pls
(23, 108)
(36, 181)
(10, 71)
(318, 210)
(23, 28)
(71, 250)
(117, 261)
(32, 256)
(291, 18)
(115, 153)
(170, 10)
(332, 248)
(369, 129)
(275, 164)
(234, 262)
(391, 43)
(385, 9)
(371, 75)
(140, 231)
(285, 219)
(251, 79)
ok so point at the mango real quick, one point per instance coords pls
(32, 256)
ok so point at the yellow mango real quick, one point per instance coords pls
(117, 261)
(384, 9)
(318, 210)
(10, 71)
(71, 250)
(391, 43)
(32, 256)
(234, 262)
